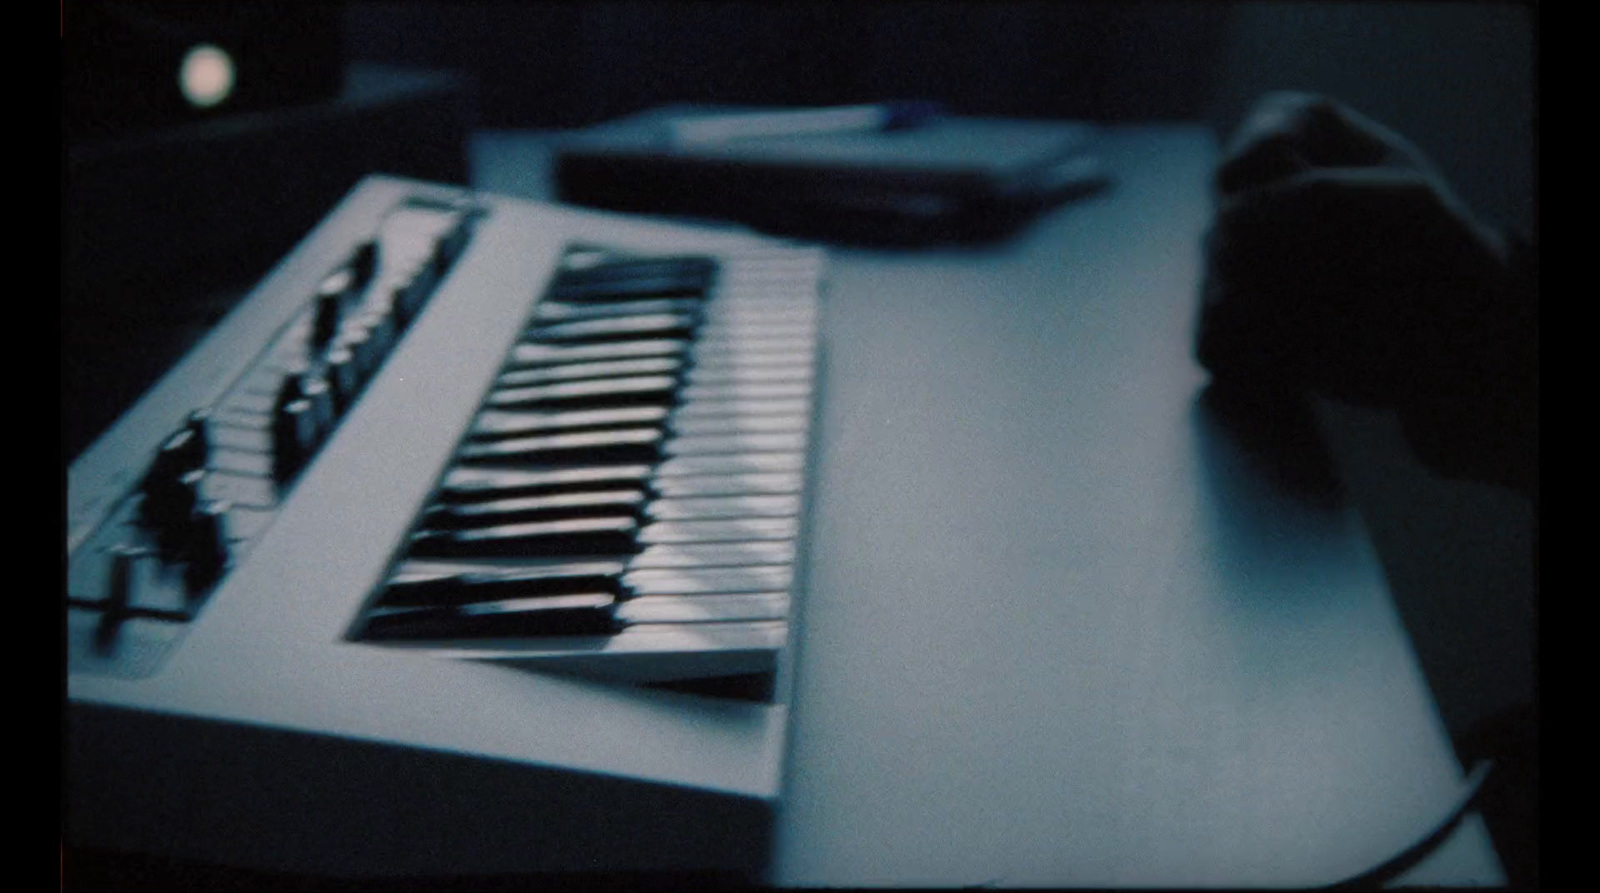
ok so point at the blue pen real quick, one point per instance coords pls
(700, 130)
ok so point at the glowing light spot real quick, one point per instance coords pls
(206, 76)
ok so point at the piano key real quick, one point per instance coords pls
(530, 353)
(621, 328)
(620, 445)
(629, 289)
(750, 360)
(707, 507)
(757, 330)
(730, 409)
(736, 349)
(481, 483)
(549, 506)
(513, 618)
(555, 311)
(730, 464)
(734, 373)
(579, 286)
(578, 371)
(509, 423)
(779, 442)
(703, 608)
(736, 423)
(704, 581)
(519, 509)
(737, 390)
(612, 268)
(611, 535)
(632, 391)
(498, 424)
(668, 486)
(759, 552)
(417, 587)
(744, 529)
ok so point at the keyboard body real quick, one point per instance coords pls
(267, 732)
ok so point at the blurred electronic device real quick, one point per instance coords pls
(479, 513)
(892, 174)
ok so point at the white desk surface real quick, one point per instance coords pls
(1060, 629)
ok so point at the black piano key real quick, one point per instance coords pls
(509, 619)
(540, 375)
(621, 328)
(610, 535)
(549, 506)
(654, 390)
(470, 484)
(618, 268)
(517, 423)
(464, 587)
(598, 503)
(619, 445)
(634, 279)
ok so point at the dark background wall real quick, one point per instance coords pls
(1456, 77)
(566, 64)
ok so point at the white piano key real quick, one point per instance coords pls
(704, 608)
(711, 444)
(673, 509)
(727, 484)
(730, 464)
(719, 531)
(694, 581)
(759, 552)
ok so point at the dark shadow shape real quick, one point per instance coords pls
(1276, 434)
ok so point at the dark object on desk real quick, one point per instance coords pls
(951, 180)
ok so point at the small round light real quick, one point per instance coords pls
(206, 76)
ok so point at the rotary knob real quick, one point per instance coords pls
(295, 431)
(206, 547)
(329, 307)
(171, 485)
(363, 264)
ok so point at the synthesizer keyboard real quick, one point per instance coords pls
(469, 488)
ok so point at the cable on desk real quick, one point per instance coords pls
(1408, 858)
